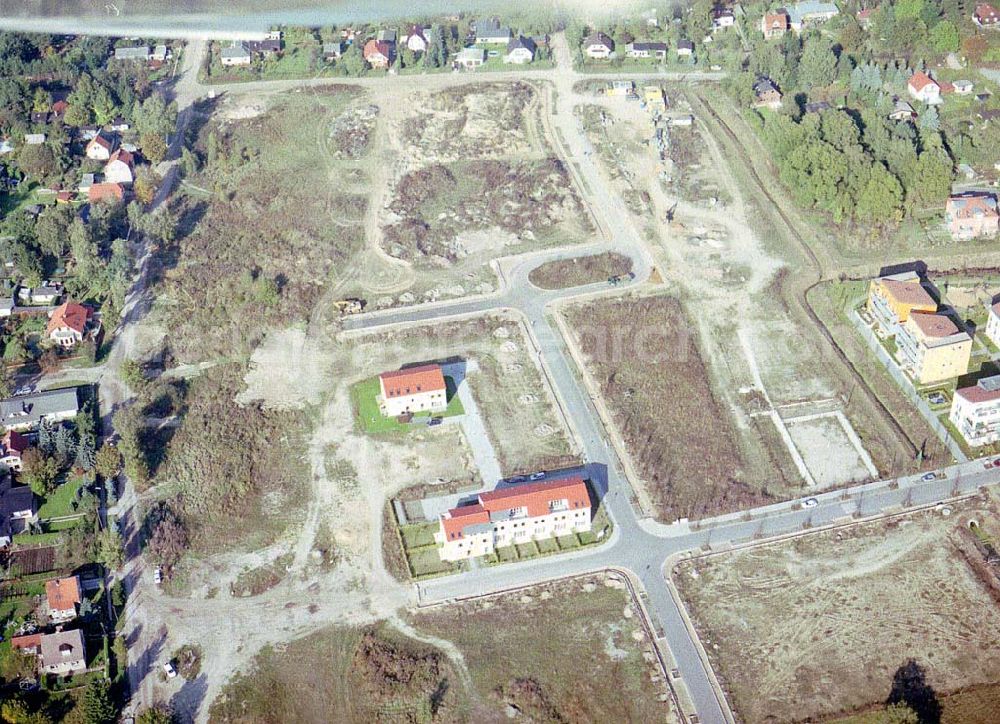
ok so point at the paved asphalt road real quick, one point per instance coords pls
(637, 545)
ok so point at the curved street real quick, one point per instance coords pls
(638, 545)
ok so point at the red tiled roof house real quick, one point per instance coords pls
(119, 167)
(975, 411)
(774, 25)
(378, 53)
(68, 324)
(924, 88)
(63, 595)
(518, 514)
(12, 446)
(105, 192)
(415, 389)
(971, 215)
(986, 16)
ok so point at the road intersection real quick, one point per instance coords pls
(639, 546)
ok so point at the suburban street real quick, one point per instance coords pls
(644, 549)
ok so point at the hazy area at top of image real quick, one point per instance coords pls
(150, 16)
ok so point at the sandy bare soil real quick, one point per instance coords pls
(706, 234)
(821, 624)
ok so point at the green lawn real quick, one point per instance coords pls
(60, 502)
(426, 561)
(37, 539)
(418, 535)
(364, 396)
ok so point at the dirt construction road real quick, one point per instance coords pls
(232, 630)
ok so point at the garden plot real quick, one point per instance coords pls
(820, 625)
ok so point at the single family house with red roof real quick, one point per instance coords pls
(378, 54)
(972, 215)
(63, 595)
(119, 167)
(99, 147)
(68, 324)
(105, 192)
(414, 389)
(924, 88)
(986, 16)
(12, 447)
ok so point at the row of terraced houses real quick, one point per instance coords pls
(512, 514)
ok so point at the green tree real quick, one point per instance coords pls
(51, 230)
(38, 161)
(818, 67)
(153, 147)
(98, 707)
(109, 548)
(157, 714)
(41, 100)
(908, 8)
(944, 37)
(108, 462)
(880, 199)
(39, 471)
(132, 374)
(353, 62)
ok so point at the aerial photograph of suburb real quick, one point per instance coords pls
(488, 362)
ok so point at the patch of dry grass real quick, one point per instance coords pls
(824, 623)
(644, 356)
(563, 273)
(558, 653)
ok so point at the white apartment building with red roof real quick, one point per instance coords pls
(993, 323)
(517, 514)
(975, 412)
(411, 390)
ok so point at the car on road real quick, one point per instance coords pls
(157, 575)
(810, 503)
(25, 390)
(518, 479)
(536, 476)
(930, 477)
(169, 670)
(435, 421)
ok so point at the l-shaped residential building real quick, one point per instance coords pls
(516, 514)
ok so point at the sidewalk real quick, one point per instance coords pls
(907, 387)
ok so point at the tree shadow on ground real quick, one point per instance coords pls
(910, 687)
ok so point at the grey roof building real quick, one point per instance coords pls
(489, 30)
(139, 53)
(63, 652)
(17, 507)
(27, 411)
(237, 51)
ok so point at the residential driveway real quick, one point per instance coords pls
(472, 422)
